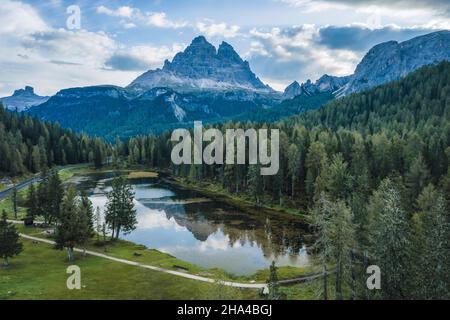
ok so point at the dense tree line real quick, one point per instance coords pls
(372, 171)
(72, 215)
(31, 145)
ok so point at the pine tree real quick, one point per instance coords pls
(88, 210)
(338, 184)
(73, 226)
(435, 259)
(391, 240)
(120, 215)
(321, 224)
(272, 284)
(98, 223)
(343, 245)
(255, 183)
(32, 202)
(416, 178)
(55, 195)
(9, 240)
(14, 201)
(294, 165)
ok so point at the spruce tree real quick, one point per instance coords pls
(120, 215)
(391, 241)
(32, 202)
(9, 240)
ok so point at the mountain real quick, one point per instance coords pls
(111, 111)
(201, 83)
(23, 99)
(383, 63)
(325, 84)
(200, 66)
(392, 60)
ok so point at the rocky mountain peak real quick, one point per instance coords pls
(26, 91)
(201, 66)
(392, 60)
(23, 99)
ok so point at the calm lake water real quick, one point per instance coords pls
(205, 232)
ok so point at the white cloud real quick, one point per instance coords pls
(81, 46)
(211, 29)
(18, 18)
(284, 55)
(135, 15)
(124, 12)
(159, 19)
(49, 59)
(142, 58)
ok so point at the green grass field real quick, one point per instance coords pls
(39, 272)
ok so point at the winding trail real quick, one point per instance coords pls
(259, 286)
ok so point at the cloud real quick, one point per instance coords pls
(441, 6)
(159, 19)
(142, 58)
(284, 55)
(211, 29)
(18, 18)
(130, 16)
(124, 12)
(81, 46)
(362, 38)
(281, 55)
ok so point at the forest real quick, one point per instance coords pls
(370, 171)
(30, 145)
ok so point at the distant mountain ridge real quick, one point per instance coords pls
(392, 60)
(383, 63)
(201, 67)
(202, 83)
(325, 84)
(23, 99)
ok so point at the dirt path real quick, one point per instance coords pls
(154, 268)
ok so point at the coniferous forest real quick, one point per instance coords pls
(30, 145)
(370, 171)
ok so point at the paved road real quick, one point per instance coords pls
(5, 193)
(37, 178)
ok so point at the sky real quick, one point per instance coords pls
(57, 44)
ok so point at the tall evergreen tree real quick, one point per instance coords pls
(9, 240)
(120, 215)
(391, 241)
(14, 201)
(32, 202)
(73, 226)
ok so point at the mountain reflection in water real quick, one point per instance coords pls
(205, 232)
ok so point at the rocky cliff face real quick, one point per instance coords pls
(392, 60)
(23, 99)
(383, 63)
(200, 66)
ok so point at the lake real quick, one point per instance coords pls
(206, 232)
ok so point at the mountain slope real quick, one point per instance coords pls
(419, 100)
(383, 63)
(392, 60)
